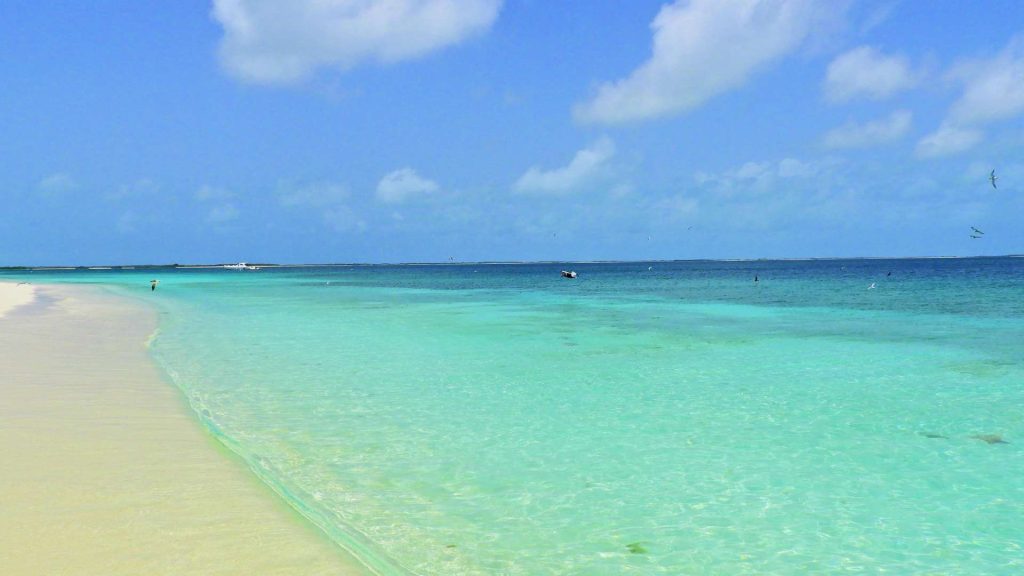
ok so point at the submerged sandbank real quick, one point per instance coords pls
(105, 471)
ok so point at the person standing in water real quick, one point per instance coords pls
(152, 285)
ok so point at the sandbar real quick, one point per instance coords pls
(106, 470)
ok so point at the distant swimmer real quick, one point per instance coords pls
(872, 287)
(755, 278)
(649, 268)
(152, 284)
(889, 273)
(992, 178)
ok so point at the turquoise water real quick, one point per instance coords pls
(491, 419)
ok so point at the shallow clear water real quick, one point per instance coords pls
(491, 419)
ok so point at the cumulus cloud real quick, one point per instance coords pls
(56, 185)
(881, 131)
(993, 88)
(585, 166)
(993, 91)
(865, 72)
(756, 177)
(948, 139)
(702, 48)
(793, 168)
(269, 41)
(400, 185)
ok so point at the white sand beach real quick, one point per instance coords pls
(14, 294)
(105, 471)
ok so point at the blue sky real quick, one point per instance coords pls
(418, 130)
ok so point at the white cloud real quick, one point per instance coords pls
(702, 48)
(948, 139)
(756, 177)
(865, 72)
(752, 171)
(586, 165)
(884, 130)
(270, 41)
(403, 184)
(316, 195)
(793, 168)
(993, 89)
(56, 185)
(762, 195)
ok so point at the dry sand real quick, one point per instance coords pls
(105, 471)
(14, 294)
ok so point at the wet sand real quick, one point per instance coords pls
(105, 470)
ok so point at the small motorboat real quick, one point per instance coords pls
(568, 273)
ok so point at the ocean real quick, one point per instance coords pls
(644, 418)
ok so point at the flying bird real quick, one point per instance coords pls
(974, 236)
(992, 178)
(976, 231)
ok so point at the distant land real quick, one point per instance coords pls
(484, 263)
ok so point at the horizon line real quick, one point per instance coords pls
(489, 262)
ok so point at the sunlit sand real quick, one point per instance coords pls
(104, 469)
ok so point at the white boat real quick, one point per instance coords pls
(568, 273)
(240, 266)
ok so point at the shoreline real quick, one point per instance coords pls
(107, 471)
